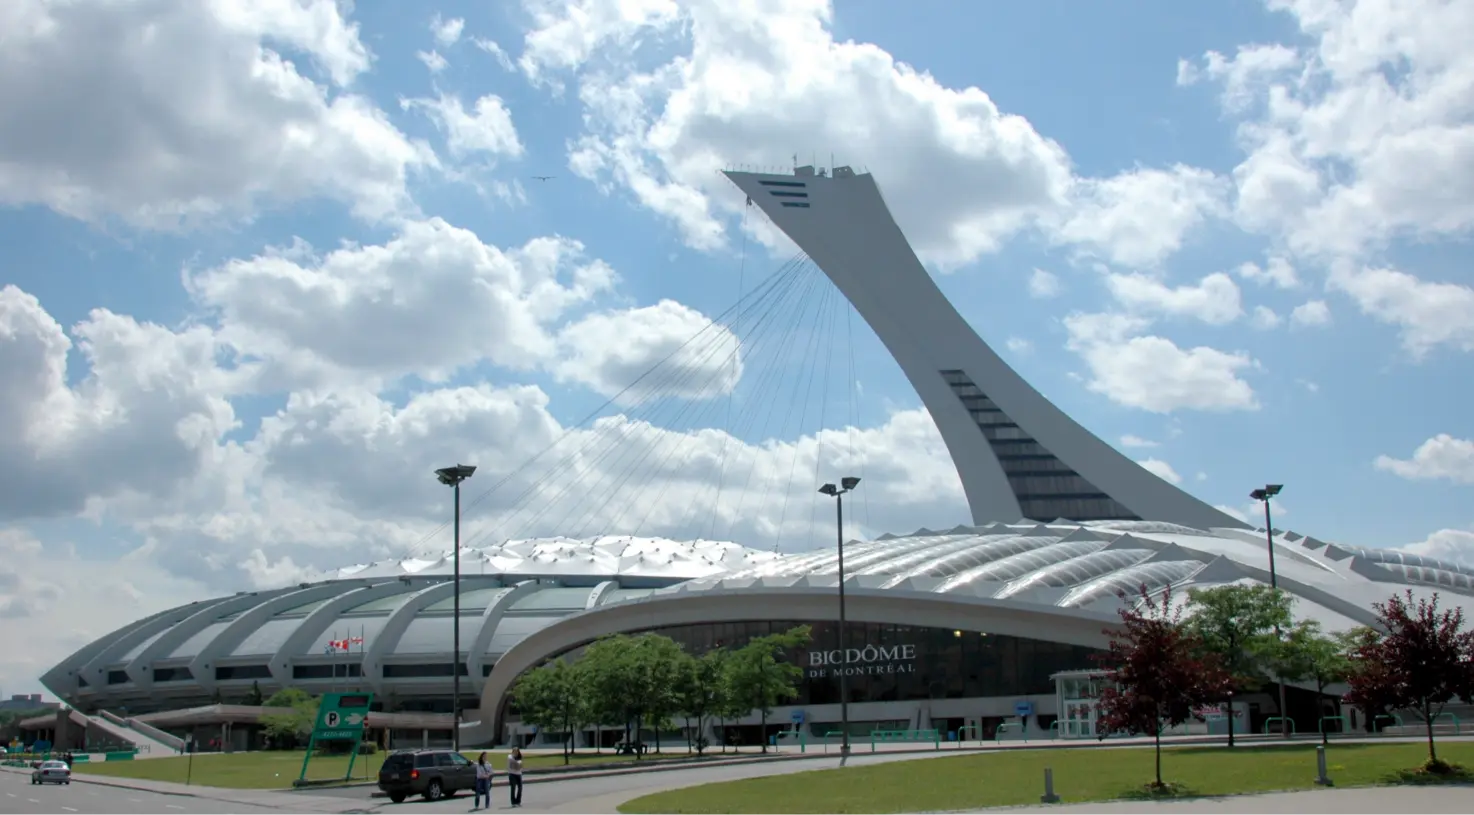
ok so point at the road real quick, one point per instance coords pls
(606, 793)
(19, 795)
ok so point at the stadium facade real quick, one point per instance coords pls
(971, 626)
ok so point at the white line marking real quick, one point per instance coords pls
(69, 809)
(9, 795)
(135, 801)
(171, 806)
(33, 800)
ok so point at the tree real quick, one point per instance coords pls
(1307, 654)
(632, 680)
(701, 691)
(296, 722)
(1160, 671)
(1238, 625)
(760, 680)
(254, 698)
(1420, 660)
(552, 697)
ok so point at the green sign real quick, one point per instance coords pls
(340, 717)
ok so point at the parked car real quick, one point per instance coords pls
(52, 771)
(431, 773)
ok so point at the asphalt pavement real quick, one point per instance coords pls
(19, 795)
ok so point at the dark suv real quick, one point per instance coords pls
(431, 773)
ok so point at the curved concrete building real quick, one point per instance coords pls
(958, 629)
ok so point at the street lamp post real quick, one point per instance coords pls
(1264, 495)
(452, 477)
(846, 484)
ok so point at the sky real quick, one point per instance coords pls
(265, 265)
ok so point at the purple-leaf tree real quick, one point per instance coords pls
(1160, 672)
(1419, 659)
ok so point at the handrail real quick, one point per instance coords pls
(975, 730)
(882, 736)
(1283, 719)
(1009, 727)
(1054, 729)
(1451, 716)
(1393, 717)
(161, 736)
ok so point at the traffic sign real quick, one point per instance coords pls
(342, 716)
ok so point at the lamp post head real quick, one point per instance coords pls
(451, 476)
(1269, 491)
(1258, 495)
(829, 489)
(849, 482)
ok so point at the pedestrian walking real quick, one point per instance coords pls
(483, 783)
(514, 776)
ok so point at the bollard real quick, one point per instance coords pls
(1048, 797)
(1320, 766)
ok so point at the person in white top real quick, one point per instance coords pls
(483, 782)
(514, 776)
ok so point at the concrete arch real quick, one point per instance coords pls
(323, 616)
(1071, 626)
(139, 669)
(491, 617)
(596, 596)
(844, 226)
(244, 625)
(399, 620)
(62, 679)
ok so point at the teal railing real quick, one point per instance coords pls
(894, 736)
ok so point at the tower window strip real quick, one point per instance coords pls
(795, 204)
(787, 194)
(770, 183)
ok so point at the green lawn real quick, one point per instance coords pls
(1014, 777)
(278, 769)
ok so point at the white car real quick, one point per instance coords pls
(52, 771)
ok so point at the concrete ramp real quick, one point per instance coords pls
(147, 747)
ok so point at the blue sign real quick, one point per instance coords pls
(1023, 709)
(797, 717)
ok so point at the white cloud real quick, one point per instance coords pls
(496, 51)
(1161, 469)
(1140, 218)
(427, 302)
(1441, 457)
(1362, 136)
(1136, 441)
(1152, 373)
(1043, 285)
(609, 351)
(1456, 545)
(1264, 318)
(961, 175)
(1428, 315)
(447, 32)
(1202, 476)
(488, 129)
(1214, 300)
(1019, 345)
(1277, 272)
(1312, 313)
(433, 61)
(178, 112)
(1309, 385)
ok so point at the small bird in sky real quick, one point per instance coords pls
(544, 177)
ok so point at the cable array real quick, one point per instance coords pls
(702, 419)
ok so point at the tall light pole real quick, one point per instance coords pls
(452, 477)
(1263, 496)
(846, 484)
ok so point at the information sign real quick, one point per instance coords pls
(340, 717)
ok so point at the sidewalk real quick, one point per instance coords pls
(1350, 801)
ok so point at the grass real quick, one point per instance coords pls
(278, 769)
(1016, 777)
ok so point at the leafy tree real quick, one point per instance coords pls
(701, 692)
(759, 680)
(1307, 654)
(553, 698)
(1238, 625)
(254, 698)
(1160, 671)
(1420, 660)
(288, 727)
(632, 680)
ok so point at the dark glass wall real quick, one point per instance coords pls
(889, 663)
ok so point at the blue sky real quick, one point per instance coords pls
(1230, 238)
